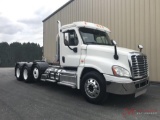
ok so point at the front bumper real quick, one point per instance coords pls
(126, 86)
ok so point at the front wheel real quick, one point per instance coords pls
(93, 87)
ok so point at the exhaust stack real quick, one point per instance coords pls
(59, 27)
(58, 43)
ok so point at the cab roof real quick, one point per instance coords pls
(87, 25)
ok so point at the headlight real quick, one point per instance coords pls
(120, 71)
(48, 70)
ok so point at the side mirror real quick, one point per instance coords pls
(116, 57)
(75, 50)
(140, 47)
(66, 42)
(66, 38)
(114, 42)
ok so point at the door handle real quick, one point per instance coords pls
(63, 59)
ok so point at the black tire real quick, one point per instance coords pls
(18, 73)
(36, 73)
(93, 87)
(27, 76)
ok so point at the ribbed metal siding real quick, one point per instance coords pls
(132, 22)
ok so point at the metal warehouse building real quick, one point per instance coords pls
(131, 22)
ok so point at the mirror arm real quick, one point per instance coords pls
(74, 49)
(115, 55)
(70, 47)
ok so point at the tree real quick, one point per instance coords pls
(17, 52)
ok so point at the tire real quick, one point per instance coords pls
(18, 73)
(36, 73)
(93, 87)
(27, 77)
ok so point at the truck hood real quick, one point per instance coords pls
(110, 49)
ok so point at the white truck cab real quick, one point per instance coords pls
(87, 59)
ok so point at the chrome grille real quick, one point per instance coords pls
(139, 66)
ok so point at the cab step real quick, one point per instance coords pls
(66, 83)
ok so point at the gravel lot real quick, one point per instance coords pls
(49, 101)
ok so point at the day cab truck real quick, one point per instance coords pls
(87, 59)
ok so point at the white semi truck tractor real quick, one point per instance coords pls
(87, 59)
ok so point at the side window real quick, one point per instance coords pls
(71, 37)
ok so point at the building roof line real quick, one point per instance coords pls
(58, 10)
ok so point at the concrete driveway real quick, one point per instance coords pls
(49, 101)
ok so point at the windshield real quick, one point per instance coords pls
(92, 36)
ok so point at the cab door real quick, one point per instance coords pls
(70, 51)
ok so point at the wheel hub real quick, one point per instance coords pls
(25, 74)
(18, 72)
(36, 73)
(92, 88)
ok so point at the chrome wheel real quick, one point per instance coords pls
(25, 74)
(92, 88)
(35, 73)
(18, 73)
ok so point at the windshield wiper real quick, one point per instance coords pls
(91, 43)
(98, 43)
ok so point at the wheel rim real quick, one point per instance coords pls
(18, 72)
(25, 74)
(92, 88)
(35, 73)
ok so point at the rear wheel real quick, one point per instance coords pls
(18, 73)
(93, 87)
(27, 74)
(36, 73)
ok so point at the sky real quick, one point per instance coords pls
(21, 20)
